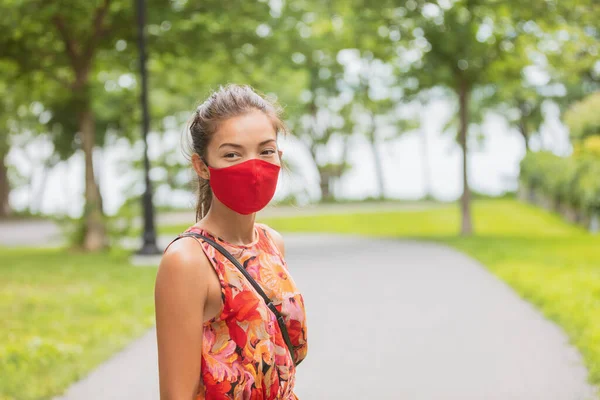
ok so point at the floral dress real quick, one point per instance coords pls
(244, 355)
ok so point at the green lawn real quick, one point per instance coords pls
(63, 314)
(552, 264)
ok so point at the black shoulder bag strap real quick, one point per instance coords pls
(255, 285)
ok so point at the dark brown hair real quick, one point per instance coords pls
(226, 102)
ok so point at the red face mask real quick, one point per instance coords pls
(246, 187)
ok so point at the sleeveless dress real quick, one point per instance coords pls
(244, 355)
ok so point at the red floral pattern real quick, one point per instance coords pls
(244, 355)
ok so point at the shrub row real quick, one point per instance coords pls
(568, 185)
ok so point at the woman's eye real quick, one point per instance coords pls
(268, 152)
(230, 155)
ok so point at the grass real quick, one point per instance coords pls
(174, 229)
(64, 313)
(554, 265)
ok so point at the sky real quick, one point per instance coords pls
(493, 166)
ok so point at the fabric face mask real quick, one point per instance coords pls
(246, 187)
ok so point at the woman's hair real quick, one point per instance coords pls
(226, 102)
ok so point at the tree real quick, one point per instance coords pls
(583, 118)
(19, 120)
(5, 188)
(67, 40)
(87, 48)
(321, 30)
(316, 129)
(519, 101)
(204, 45)
(460, 45)
(370, 75)
(373, 109)
(421, 102)
(477, 111)
(526, 116)
(572, 47)
(310, 36)
(7, 72)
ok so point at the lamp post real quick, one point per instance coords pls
(149, 235)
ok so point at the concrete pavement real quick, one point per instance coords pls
(393, 319)
(30, 232)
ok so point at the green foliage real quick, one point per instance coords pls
(574, 180)
(583, 117)
(84, 56)
(465, 46)
(122, 224)
(119, 225)
(548, 262)
(72, 230)
(573, 63)
(521, 105)
(64, 313)
(588, 184)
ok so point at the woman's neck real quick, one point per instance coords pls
(230, 226)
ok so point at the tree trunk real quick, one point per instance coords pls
(425, 162)
(4, 187)
(342, 166)
(98, 172)
(465, 201)
(325, 184)
(324, 175)
(95, 231)
(524, 134)
(378, 166)
(523, 127)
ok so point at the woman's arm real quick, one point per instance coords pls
(180, 295)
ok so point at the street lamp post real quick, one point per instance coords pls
(149, 236)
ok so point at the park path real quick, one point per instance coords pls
(392, 319)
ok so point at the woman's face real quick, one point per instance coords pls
(243, 138)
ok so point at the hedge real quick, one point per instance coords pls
(570, 185)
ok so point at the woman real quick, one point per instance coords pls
(217, 337)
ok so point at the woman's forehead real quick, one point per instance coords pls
(253, 127)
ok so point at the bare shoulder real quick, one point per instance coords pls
(183, 266)
(181, 293)
(277, 238)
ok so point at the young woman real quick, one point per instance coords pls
(217, 336)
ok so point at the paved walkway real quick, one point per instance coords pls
(35, 233)
(396, 320)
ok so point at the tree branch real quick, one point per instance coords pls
(70, 44)
(97, 30)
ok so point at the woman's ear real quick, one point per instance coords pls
(200, 167)
(280, 154)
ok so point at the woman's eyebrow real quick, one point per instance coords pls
(239, 146)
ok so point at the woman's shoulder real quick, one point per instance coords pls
(184, 261)
(275, 236)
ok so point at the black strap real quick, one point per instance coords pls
(255, 285)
